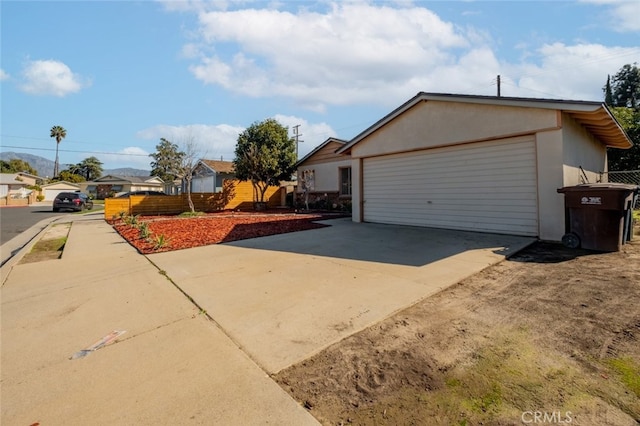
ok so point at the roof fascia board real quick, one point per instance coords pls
(586, 106)
(561, 105)
(319, 147)
(202, 163)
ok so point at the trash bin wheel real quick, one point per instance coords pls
(571, 240)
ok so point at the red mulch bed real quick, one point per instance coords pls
(214, 228)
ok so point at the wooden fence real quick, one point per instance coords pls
(235, 195)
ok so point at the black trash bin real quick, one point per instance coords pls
(598, 215)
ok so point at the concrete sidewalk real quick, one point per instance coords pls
(172, 366)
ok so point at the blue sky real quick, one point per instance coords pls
(119, 75)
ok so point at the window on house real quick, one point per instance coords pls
(345, 181)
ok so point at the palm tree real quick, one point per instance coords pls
(59, 133)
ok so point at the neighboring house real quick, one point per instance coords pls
(51, 190)
(479, 163)
(109, 185)
(325, 175)
(174, 187)
(12, 185)
(208, 175)
(29, 179)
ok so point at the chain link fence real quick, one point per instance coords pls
(631, 177)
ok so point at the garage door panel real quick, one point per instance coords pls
(456, 184)
(523, 212)
(450, 220)
(489, 187)
(461, 171)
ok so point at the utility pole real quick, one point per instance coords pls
(296, 134)
(498, 85)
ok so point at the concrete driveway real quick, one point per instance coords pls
(286, 297)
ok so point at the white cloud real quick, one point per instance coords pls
(50, 77)
(576, 72)
(213, 142)
(131, 156)
(198, 5)
(625, 15)
(3, 75)
(311, 134)
(354, 53)
(219, 141)
(367, 53)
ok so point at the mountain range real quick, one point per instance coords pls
(44, 166)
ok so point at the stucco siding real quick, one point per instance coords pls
(435, 123)
(550, 175)
(325, 154)
(581, 149)
(326, 174)
(356, 190)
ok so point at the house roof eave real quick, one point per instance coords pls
(594, 116)
(218, 166)
(319, 147)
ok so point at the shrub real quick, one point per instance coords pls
(144, 230)
(131, 221)
(160, 241)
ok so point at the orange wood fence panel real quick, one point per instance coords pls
(113, 207)
(235, 195)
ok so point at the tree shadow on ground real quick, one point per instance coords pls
(550, 252)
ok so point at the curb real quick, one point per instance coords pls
(14, 250)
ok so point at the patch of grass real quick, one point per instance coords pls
(49, 245)
(48, 249)
(191, 214)
(629, 372)
(504, 378)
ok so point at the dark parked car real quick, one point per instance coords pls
(127, 194)
(72, 201)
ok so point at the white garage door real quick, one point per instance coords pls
(50, 194)
(486, 187)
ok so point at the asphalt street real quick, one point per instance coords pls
(15, 220)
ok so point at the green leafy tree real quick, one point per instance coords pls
(265, 155)
(16, 165)
(625, 86)
(624, 103)
(68, 176)
(608, 94)
(626, 159)
(90, 168)
(167, 161)
(59, 133)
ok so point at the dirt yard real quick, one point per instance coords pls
(550, 336)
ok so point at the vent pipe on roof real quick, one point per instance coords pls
(498, 85)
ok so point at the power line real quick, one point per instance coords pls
(77, 151)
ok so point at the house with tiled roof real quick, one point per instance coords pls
(109, 185)
(209, 175)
